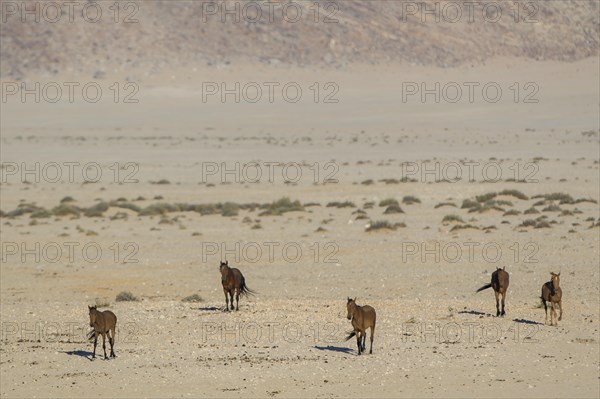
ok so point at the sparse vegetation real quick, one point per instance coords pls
(230, 209)
(441, 204)
(161, 181)
(195, 298)
(561, 197)
(512, 212)
(485, 197)
(388, 202)
(383, 225)
(390, 181)
(41, 214)
(125, 296)
(368, 205)
(469, 204)
(410, 199)
(514, 193)
(281, 206)
(392, 209)
(552, 208)
(452, 219)
(536, 224)
(463, 227)
(96, 210)
(338, 204)
(531, 211)
(580, 200)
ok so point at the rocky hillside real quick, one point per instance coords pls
(151, 35)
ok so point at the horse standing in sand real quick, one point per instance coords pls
(500, 285)
(233, 280)
(102, 323)
(362, 317)
(552, 293)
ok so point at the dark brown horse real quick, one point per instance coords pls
(551, 292)
(233, 281)
(362, 317)
(102, 323)
(500, 285)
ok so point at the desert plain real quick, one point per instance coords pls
(164, 189)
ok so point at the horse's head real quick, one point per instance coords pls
(93, 314)
(351, 305)
(555, 279)
(224, 266)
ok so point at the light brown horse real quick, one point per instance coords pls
(362, 317)
(233, 281)
(500, 285)
(552, 293)
(102, 323)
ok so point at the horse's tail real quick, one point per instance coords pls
(350, 335)
(485, 287)
(244, 290)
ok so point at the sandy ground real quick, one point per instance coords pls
(435, 337)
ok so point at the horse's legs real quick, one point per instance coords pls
(372, 333)
(231, 297)
(237, 299)
(560, 305)
(104, 344)
(364, 338)
(503, 298)
(111, 340)
(226, 300)
(358, 342)
(546, 309)
(95, 343)
(497, 304)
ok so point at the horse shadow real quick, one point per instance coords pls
(210, 308)
(525, 321)
(334, 349)
(474, 312)
(81, 353)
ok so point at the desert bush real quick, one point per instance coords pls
(193, 298)
(338, 204)
(388, 202)
(552, 208)
(125, 296)
(383, 225)
(452, 219)
(281, 206)
(410, 199)
(463, 227)
(392, 209)
(96, 210)
(514, 193)
(512, 212)
(41, 214)
(445, 204)
(485, 197)
(469, 204)
(229, 209)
